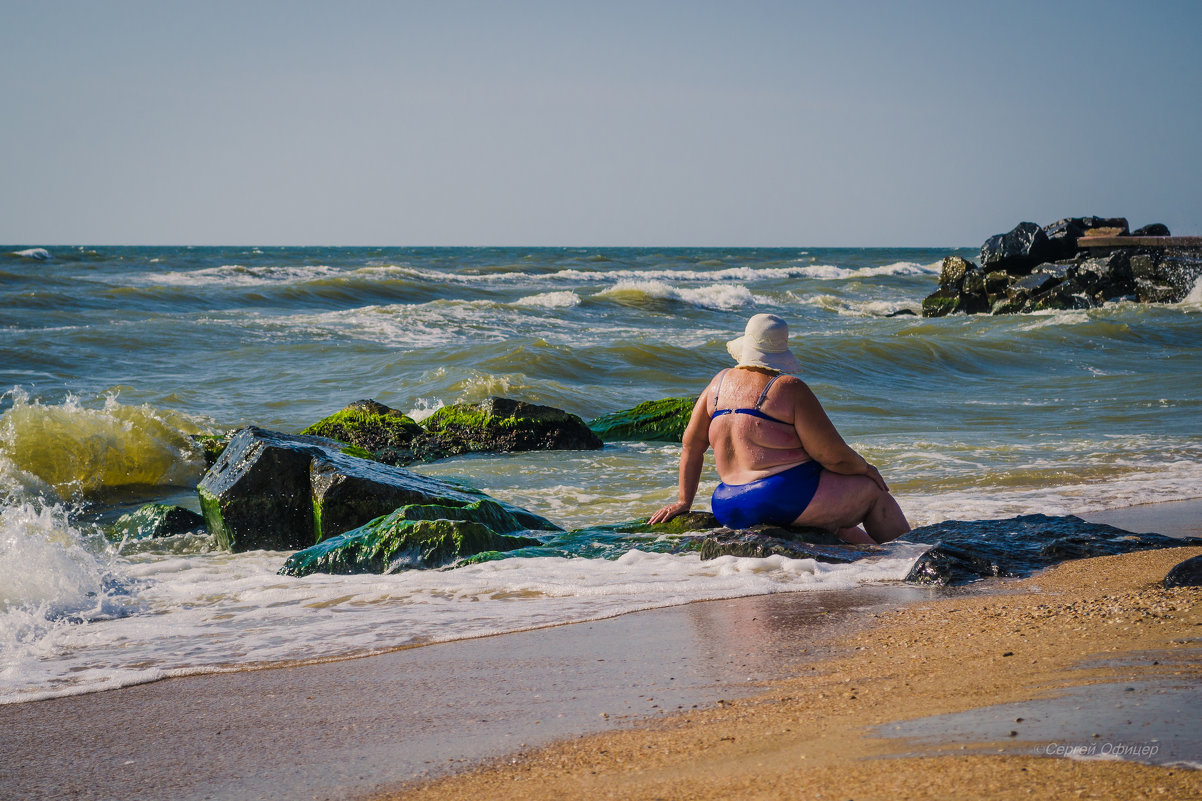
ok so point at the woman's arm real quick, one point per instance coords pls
(694, 444)
(822, 441)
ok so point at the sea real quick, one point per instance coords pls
(112, 358)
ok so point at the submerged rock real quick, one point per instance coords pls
(502, 425)
(384, 432)
(414, 537)
(155, 520)
(969, 550)
(1185, 574)
(794, 543)
(651, 421)
(287, 491)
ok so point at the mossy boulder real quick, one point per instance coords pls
(651, 421)
(383, 432)
(286, 492)
(155, 520)
(418, 536)
(502, 425)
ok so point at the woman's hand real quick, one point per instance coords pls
(670, 511)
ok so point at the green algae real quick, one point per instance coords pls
(413, 537)
(369, 426)
(502, 425)
(651, 421)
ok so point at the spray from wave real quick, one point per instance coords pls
(82, 452)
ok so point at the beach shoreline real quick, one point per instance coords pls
(413, 721)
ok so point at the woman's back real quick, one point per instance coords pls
(752, 424)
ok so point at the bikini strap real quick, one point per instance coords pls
(718, 388)
(764, 394)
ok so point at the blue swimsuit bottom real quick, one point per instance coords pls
(777, 499)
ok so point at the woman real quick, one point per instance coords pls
(780, 458)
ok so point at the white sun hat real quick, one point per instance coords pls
(765, 343)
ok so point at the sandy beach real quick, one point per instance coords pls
(1100, 623)
(767, 696)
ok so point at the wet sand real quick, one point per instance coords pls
(770, 696)
(1093, 657)
(351, 727)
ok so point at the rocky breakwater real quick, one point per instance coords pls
(277, 491)
(1074, 263)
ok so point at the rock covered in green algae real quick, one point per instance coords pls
(502, 424)
(385, 433)
(155, 520)
(283, 491)
(661, 420)
(414, 537)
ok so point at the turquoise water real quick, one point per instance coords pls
(110, 357)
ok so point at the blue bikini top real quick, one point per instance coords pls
(754, 411)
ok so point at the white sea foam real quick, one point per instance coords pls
(37, 254)
(550, 300)
(238, 275)
(853, 308)
(217, 612)
(716, 296)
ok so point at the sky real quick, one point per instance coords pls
(592, 123)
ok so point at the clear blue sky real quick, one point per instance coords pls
(592, 123)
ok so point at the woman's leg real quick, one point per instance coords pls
(844, 502)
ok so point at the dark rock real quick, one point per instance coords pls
(1182, 270)
(954, 268)
(974, 282)
(212, 445)
(902, 313)
(282, 492)
(1146, 265)
(1103, 226)
(503, 425)
(1017, 251)
(1022, 289)
(1155, 229)
(1185, 574)
(968, 550)
(384, 432)
(794, 543)
(996, 282)
(1063, 235)
(156, 520)
(419, 536)
(942, 302)
(652, 421)
(1152, 292)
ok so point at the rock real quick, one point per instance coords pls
(1155, 229)
(504, 425)
(384, 432)
(969, 550)
(996, 282)
(1151, 292)
(1103, 226)
(795, 543)
(953, 271)
(1017, 251)
(418, 536)
(942, 302)
(212, 445)
(156, 520)
(1185, 574)
(284, 491)
(651, 421)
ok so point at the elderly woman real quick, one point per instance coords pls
(780, 458)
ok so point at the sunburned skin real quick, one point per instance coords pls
(747, 448)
